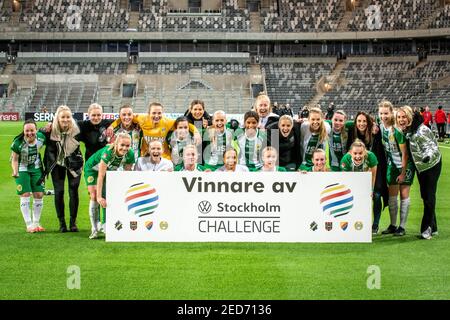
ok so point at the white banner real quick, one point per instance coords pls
(244, 207)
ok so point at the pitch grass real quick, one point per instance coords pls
(34, 266)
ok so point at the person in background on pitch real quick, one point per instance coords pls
(269, 158)
(153, 160)
(427, 160)
(440, 119)
(113, 157)
(27, 170)
(230, 160)
(63, 157)
(427, 117)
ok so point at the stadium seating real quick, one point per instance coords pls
(293, 83)
(159, 18)
(175, 68)
(303, 16)
(366, 84)
(5, 14)
(394, 14)
(70, 68)
(442, 19)
(78, 96)
(89, 15)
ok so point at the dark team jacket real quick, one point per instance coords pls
(93, 136)
(289, 147)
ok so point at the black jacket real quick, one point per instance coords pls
(51, 154)
(289, 147)
(93, 136)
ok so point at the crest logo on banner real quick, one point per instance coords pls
(141, 199)
(149, 225)
(328, 226)
(344, 225)
(133, 225)
(336, 200)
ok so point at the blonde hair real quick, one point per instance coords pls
(287, 118)
(359, 144)
(262, 96)
(390, 106)
(269, 149)
(408, 113)
(122, 135)
(55, 124)
(322, 129)
(95, 106)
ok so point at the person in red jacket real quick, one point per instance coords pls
(427, 117)
(440, 118)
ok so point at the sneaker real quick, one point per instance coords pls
(400, 232)
(94, 235)
(49, 192)
(427, 234)
(31, 230)
(435, 233)
(39, 229)
(101, 228)
(374, 230)
(391, 229)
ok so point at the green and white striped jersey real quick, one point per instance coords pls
(29, 157)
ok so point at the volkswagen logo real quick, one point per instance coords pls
(204, 206)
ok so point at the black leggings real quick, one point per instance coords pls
(59, 178)
(428, 186)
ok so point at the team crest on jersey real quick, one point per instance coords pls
(90, 179)
(19, 187)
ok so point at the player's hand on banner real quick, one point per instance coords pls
(101, 201)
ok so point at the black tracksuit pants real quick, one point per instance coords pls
(428, 181)
(59, 177)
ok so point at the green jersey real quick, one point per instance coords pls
(250, 148)
(112, 160)
(310, 142)
(214, 147)
(29, 157)
(392, 139)
(337, 145)
(135, 135)
(347, 163)
(198, 167)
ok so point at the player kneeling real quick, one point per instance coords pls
(117, 156)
